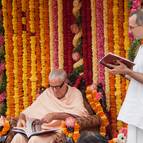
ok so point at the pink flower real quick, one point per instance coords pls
(76, 56)
(124, 131)
(70, 122)
(2, 67)
(74, 28)
(1, 40)
(2, 97)
(98, 96)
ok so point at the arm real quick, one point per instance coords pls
(135, 75)
(123, 69)
(22, 120)
(55, 116)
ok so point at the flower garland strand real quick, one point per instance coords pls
(38, 46)
(100, 38)
(105, 19)
(28, 34)
(85, 42)
(71, 132)
(60, 34)
(20, 59)
(111, 77)
(88, 34)
(51, 34)
(126, 37)
(122, 53)
(7, 23)
(25, 97)
(94, 50)
(55, 32)
(2, 68)
(42, 41)
(117, 51)
(47, 45)
(15, 53)
(93, 98)
(33, 44)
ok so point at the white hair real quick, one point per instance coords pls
(58, 73)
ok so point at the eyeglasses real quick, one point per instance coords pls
(133, 27)
(57, 86)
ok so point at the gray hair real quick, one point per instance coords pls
(58, 73)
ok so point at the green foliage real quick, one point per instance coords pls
(3, 108)
(73, 76)
(133, 49)
(3, 83)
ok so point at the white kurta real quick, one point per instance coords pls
(132, 109)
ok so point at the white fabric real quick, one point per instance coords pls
(135, 135)
(132, 109)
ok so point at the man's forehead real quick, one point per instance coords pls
(132, 20)
(55, 80)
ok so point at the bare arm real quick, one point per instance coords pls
(136, 75)
(22, 120)
(55, 116)
(123, 69)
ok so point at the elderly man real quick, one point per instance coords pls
(56, 103)
(132, 109)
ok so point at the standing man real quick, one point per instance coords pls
(132, 109)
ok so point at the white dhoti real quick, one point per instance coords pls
(135, 135)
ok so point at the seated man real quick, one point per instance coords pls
(56, 103)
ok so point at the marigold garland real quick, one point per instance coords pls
(74, 135)
(60, 33)
(25, 91)
(6, 128)
(42, 42)
(33, 56)
(15, 53)
(47, 44)
(117, 51)
(105, 17)
(38, 47)
(7, 19)
(92, 97)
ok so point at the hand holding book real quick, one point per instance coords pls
(117, 64)
(33, 127)
(112, 59)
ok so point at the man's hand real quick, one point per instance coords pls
(119, 69)
(48, 118)
(22, 121)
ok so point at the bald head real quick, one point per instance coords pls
(59, 74)
(136, 24)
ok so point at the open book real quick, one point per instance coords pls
(33, 129)
(111, 58)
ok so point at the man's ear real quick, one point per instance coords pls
(132, 20)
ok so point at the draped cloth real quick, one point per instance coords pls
(71, 103)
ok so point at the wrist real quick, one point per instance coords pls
(128, 71)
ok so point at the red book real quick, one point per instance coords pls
(111, 58)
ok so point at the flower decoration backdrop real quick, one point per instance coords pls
(72, 34)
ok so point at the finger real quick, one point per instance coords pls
(111, 66)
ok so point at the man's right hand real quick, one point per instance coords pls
(22, 121)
